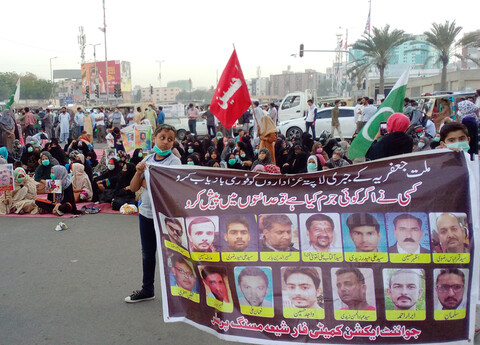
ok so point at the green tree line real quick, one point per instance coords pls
(31, 87)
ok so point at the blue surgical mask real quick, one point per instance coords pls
(140, 154)
(191, 163)
(421, 144)
(256, 151)
(111, 166)
(243, 155)
(462, 145)
(30, 149)
(436, 139)
(232, 161)
(159, 152)
(46, 162)
(311, 167)
(190, 150)
(52, 176)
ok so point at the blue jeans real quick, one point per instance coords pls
(312, 126)
(192, 126)
(149, 249)
(212, 129)
(79, 131)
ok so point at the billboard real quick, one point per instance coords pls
(94, 74)
(126, 76)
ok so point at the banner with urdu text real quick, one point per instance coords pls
(380, 252)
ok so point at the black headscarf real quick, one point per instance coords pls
(135, 159)
(328, 147)
(57, 152)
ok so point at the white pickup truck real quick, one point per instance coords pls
(294, 105)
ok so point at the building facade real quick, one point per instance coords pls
(281, 84)
(159, 94)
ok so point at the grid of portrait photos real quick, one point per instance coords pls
(345, 266)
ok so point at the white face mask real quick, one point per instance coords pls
(421, 144)
(111, 166)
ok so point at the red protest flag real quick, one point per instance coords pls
(231, 98)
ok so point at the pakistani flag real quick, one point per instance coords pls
(15, 95)
(392, 104)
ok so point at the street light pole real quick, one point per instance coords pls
(105, 38)
(160, 72)
(51, 75)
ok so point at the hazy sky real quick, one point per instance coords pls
(194, 38)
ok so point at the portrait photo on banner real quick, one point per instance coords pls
(449, 232)
(217, 287)
(203, 233)
(173, 230)
(302, 287)
(450, 292)
(353, 288)
(320, 232)
(254, 286)
(278, 232)
(364, 232)
(408, 233)
(238, 233)
(404, 289)
(6, 177)
(182, 273)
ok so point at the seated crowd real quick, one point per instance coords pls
(86, 178)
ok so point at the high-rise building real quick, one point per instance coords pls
(281, 84)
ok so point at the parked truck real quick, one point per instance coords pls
(294, 105)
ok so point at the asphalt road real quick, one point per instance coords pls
(68, 287)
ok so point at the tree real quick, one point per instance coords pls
(7, 84)
(30, 86)
(357, 73)
(442, 38)
(377, 49)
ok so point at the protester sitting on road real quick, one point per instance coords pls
(4, 154)
(296, 162)
(246, 159)
(396, 142)
(313, 164)
(423, 144)
(17, 150)
(64, 201)
(337, 160)
(329, 146)
(317, 150)
(232, 162)
(137, 156)
(282, 156)
(122, 193)
(104, 180)
(82, 187)
(229, 148)
(44, 169)
(57, 152)
(263, 158)
(22, 199)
